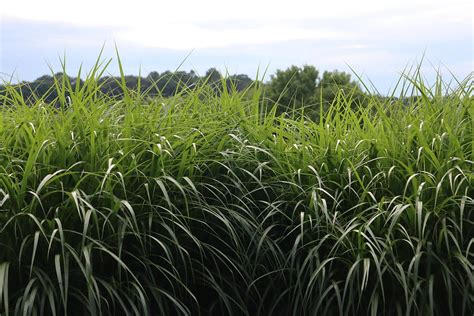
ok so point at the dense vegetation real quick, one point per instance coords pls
(291, 89)
(208, 203)
(165, 84)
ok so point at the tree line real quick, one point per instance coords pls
(290, 89)
(165, 84)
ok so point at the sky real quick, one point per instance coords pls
(376, 39)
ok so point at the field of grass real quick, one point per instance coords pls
(202, 204)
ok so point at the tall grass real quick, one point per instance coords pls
(202, 204)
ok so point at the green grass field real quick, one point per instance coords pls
(204, 204)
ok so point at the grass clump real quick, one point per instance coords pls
(202, 204)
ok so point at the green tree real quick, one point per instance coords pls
(298, 87)
(240, 82)
(333, 83)
(153, 76)
(292, 87)
(213, 74)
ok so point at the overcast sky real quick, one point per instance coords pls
(376, 38)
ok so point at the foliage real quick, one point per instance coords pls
(201, 204)
(165, 84)
(294, 85)
(297, 87)
(333, 82)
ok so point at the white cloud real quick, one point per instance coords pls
(189, 36)
(141, 12)
(377, 38)
(175, 24)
